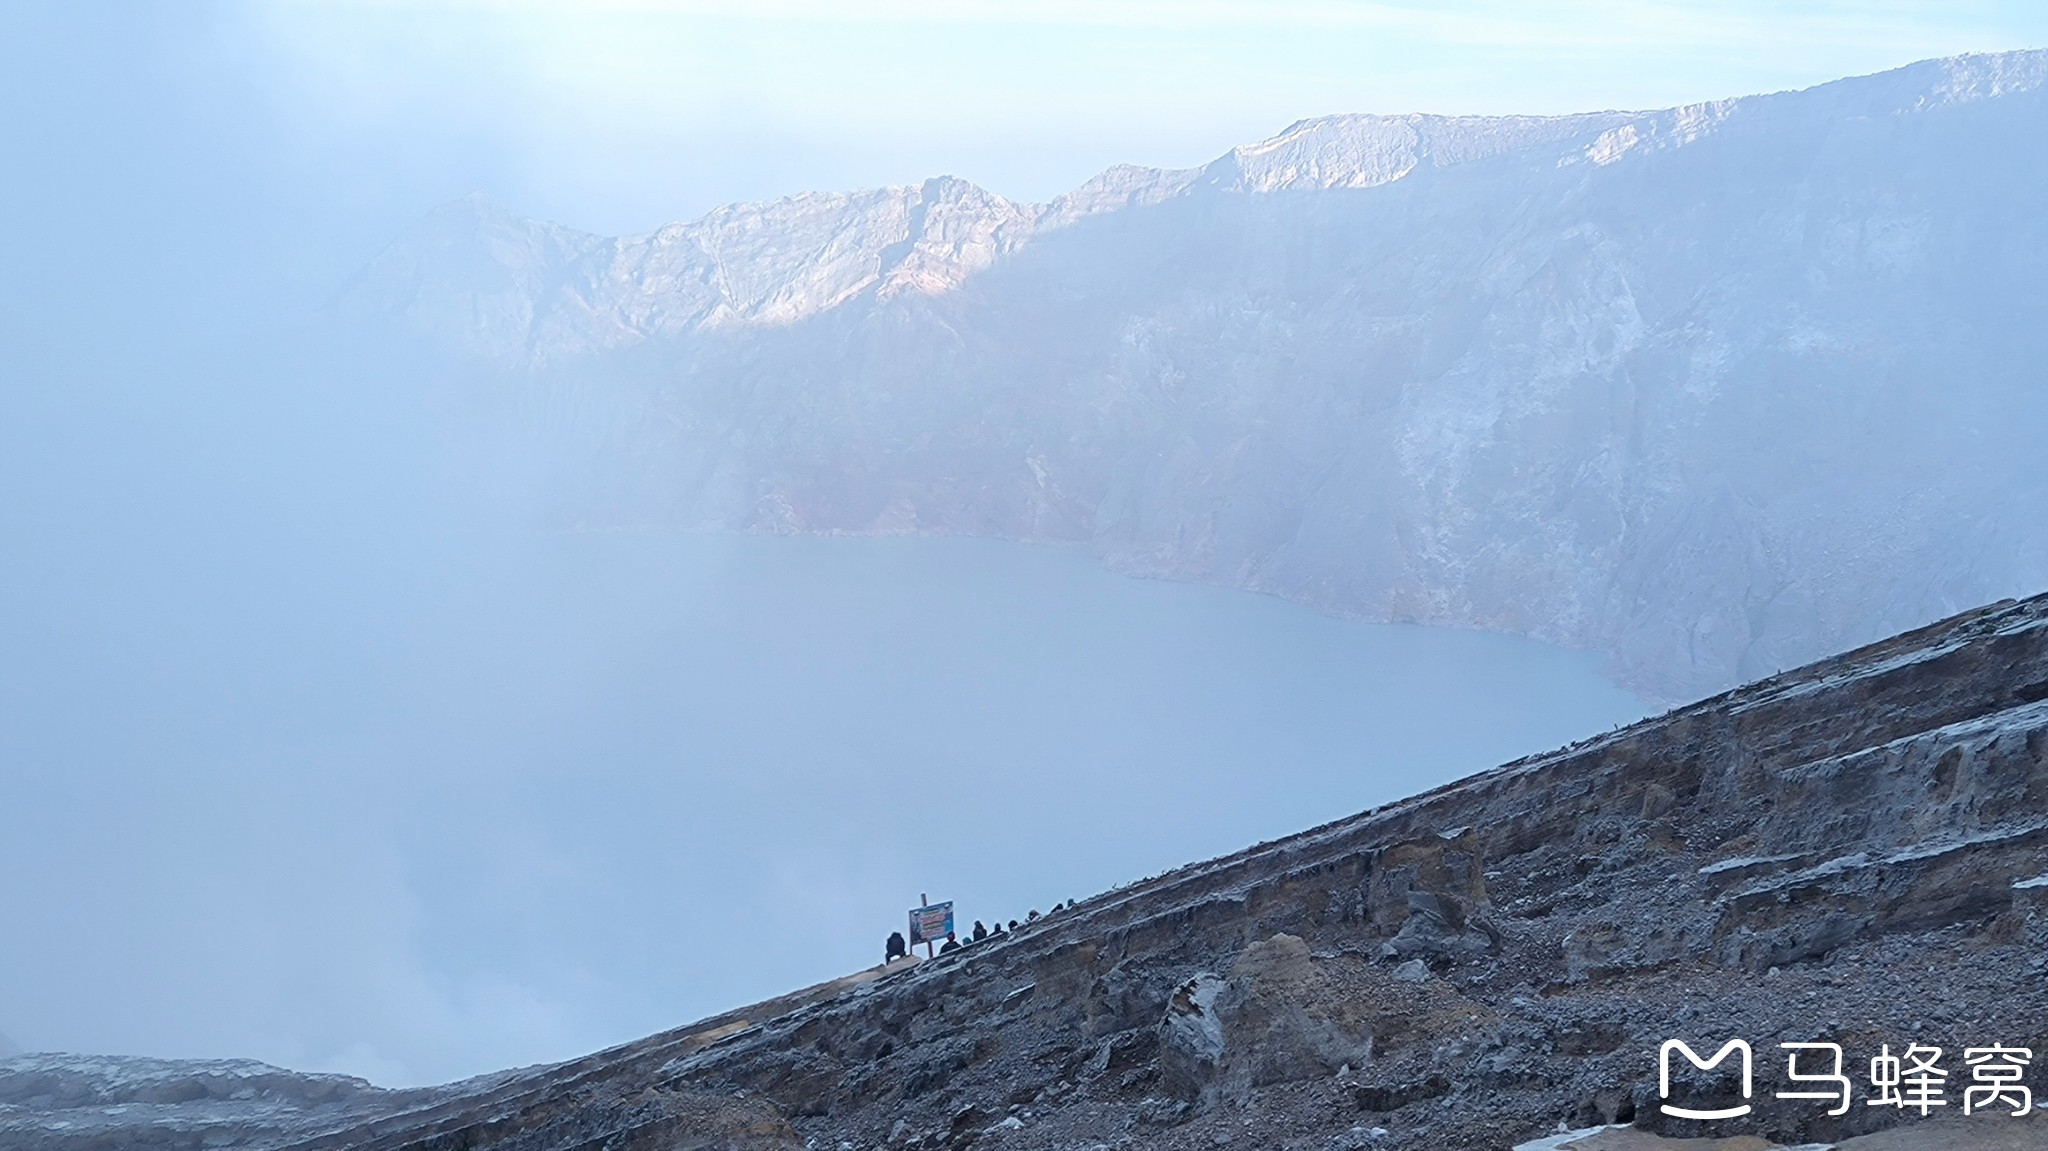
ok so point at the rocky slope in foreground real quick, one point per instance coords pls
(1853, 852)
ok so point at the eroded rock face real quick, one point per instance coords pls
(1852, 852)
(1637, 383)
(1279, 1018)
(1475, 965)
(1286, 1020)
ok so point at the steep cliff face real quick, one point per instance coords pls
(1714, 390)
(1841, 854)
(526, 293)
(1851, 853)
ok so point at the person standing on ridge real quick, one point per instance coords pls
(895, 949)
(980, 932)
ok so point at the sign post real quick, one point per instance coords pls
(930, 922)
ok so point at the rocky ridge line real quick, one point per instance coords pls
(1854, 852)
(1712, 391)
(567, 292)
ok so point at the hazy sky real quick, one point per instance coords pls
(619, 115)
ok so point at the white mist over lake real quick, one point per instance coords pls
(299, 763)
(450, 805)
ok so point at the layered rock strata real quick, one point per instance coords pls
(1853, 852)
(1714, 390)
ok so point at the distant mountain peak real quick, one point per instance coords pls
(1977, 75)
(530, 292)
(1363, 151)
(1710, 389)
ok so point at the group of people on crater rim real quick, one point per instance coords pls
(897, 948)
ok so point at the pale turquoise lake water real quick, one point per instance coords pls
(484, 802)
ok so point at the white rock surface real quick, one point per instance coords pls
(1713, 390)
(52, 1100)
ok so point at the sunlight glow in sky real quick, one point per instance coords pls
(619, 116)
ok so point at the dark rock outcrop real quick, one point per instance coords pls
(1850, 852)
